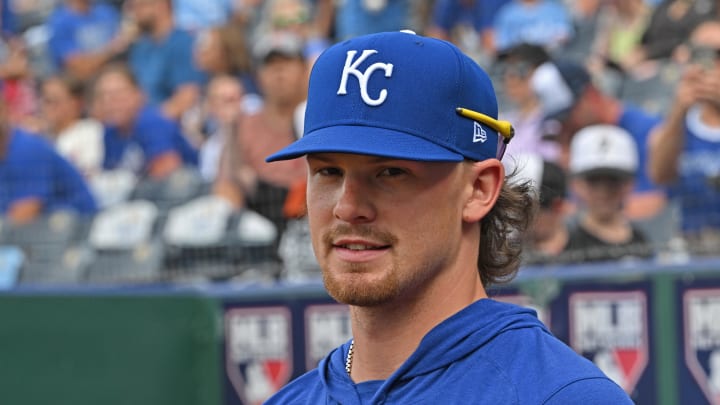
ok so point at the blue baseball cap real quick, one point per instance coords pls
(400, 95)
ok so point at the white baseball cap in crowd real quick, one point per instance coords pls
(603, 149)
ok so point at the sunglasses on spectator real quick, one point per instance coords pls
(503, 128)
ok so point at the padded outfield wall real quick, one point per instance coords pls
(654, 328)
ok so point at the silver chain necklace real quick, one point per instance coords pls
(349, 359)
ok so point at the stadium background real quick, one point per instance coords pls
(154, 319)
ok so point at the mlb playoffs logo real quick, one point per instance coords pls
(702, 339)
(258, 351)
(611, 329)
(326, 327)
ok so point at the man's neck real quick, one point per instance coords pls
(386, 336)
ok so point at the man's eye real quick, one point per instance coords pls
(392, 171)
(329, 171)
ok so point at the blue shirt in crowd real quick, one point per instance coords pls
(544, 23)
(640, 124)
(33, 169)
(161, 67)
(151, 136)
(698, 184)
(488, 353)
(478, 14)
(72, 32)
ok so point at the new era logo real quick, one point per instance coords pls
(479, 134)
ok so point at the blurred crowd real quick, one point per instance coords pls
(616, 106)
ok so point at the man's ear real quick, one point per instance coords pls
(487, 180)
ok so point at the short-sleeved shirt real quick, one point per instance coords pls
(152, 135)
(161, 67)
(698, 185)
(32, 168)
(640, 124)
(72, 32)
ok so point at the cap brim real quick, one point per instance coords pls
(364, 140)
(605, 171)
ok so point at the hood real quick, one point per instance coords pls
(451, 340)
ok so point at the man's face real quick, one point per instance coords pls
(58, 105)
(283, 79)
(116, 100)
(384, 229)
(145, 12)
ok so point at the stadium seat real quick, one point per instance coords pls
(178, 188)
(125, 244)
(50, 248)
(195, 235)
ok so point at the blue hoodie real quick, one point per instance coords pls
(488, 353)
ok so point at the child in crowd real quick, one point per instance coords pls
(603, 163)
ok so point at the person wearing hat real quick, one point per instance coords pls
(603, 162)
(572, 102)
(411, 221)
(244, 178)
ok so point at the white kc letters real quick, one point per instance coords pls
(351, 68)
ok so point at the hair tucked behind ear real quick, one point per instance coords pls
(502, 230)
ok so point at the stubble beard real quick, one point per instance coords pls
(349, 285)
(359, 292)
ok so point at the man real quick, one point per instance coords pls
(684, 152)
(162, 58)
(137, 137)
(35, 179)
(570, 98)
(411, 221)
(84, 35)
(245, 178)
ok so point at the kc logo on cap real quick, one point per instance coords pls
(402, 96)
(351, 68)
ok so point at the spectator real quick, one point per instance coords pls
(541, 22)
(224, 51)
(199, 15)
(671, 23)
(548, 235)
(221, 117)
(620, 31)
(35, 179)
(685, 149)
(566, 91)
(161, 58)
(295, 17)
(603, 163)
(359, 17)
(245, 178)
(586, 17)
(78, 139)
(525, 112)
(137, 136)
(84, 35)
(17, 86)
(459, 20)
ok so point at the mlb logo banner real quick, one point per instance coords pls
(611, 330)
(258, 351)
(327, 326)
(701, 327)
